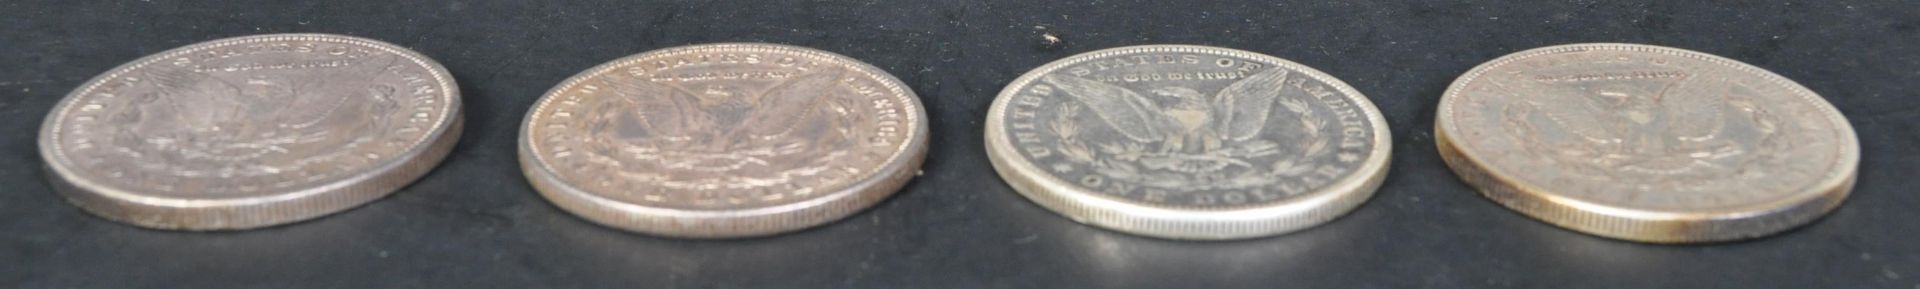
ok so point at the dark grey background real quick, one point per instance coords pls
(475, 223)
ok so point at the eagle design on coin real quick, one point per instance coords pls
(714, 127)
(1193, 132)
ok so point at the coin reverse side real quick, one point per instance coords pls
(1188, 142)
(1647, 143)
(251, 131)
(723, 140)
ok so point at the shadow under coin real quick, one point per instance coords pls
(624, 257)
(1114, 259)
(258, 256)
(1578, 255)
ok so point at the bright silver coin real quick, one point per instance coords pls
(1188, 142)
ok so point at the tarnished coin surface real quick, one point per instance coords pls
(251, 131)
(1188, 142)
(1647, 143)
(723, 140)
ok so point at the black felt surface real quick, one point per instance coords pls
(475, 223)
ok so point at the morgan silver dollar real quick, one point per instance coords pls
(251, 131)
(1188, 142)
(1647, 143)
(724, 140)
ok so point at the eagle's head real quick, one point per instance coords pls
(1186, 97)
(265, 87)
(718, 94)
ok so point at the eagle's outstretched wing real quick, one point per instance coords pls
(1572, 110)
(175, 79)
(783, 107)
(1126, 111)
(321, 98)
(191, 98)
(1241, 109)
(1696, 108)
(643, 108)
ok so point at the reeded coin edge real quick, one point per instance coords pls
(881, 183)
(1181, 221)
(1656, 226)
(265, 209)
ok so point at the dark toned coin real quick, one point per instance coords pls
(1647, 143)
(1188, 142)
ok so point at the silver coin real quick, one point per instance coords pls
(251, 131)
(723, 140)
(1188, 142)
(1647, 143)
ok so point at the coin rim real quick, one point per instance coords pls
(883, 181)
(1188, 222)
(265, 208)
(1725, 223)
